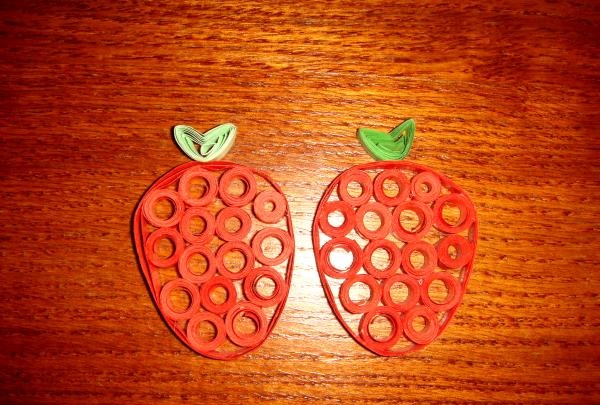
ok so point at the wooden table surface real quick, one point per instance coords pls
(506, 101)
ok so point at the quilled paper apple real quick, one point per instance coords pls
(394, 243)
(216, 247)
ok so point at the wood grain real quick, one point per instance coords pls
(506, 97)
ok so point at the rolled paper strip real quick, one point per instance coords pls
(414, 292)
(184, 264)
(279, 206)
(235, 246)
(426, 187)
(209, 225)
(464, 251)
(233, 212)
(156, 195)
(255, 296)
(349, 218)
(192, 331)
(429, 258)
(360, 177)
(164, 233)
(425, 220)
(374, 297)
(452, 285)
(193, 294)
(246, 176)
(394, 145)
(429, 332)
(252, 312)
(397, 177)
(185, 184)
(212, 284)
(385, 218)
(284, 239)
(397, 328)
(213, 144)
(465, 219)
(346, 244)
(394, 254)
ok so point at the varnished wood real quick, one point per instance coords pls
(506, 100)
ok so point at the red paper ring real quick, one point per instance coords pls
(185, 183)
(348, 245)
(247, 177)
(184, 265)
(218, 281)
(452, 285)
(425, 219)
(431, 181)
(151, 216)
(399, 178)
(279, 206)
(173, 236)
(428, 334)
(220, 334)
(466, 214)
(395, 321)
(349, 218)
(253, 312)
(361, 178)
(192, 291)
(384, 215)
(209, 225)
(353, 307)
(255, 297)
(233, 212)
(286, 245)
(241, 247)
(394, 253)
(429, 254)
(414, 292)
(464, 251)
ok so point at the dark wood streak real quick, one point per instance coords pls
(506, 97)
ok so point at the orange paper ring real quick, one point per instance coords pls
(185, 182)
(429, 258)
(233, 212)
(464, 251)
(371, 303)
(466, 213)
(238, 246)
(432, 184)
(218, 281)
(395, 321)
(209, 225)
(173, 236)
(250, 311)
(255, 296)
(361, 178)
(454, 291)
(414, 292)
(152, 198)
(394, 254)
(401, 181)
(279, 206)
(184, 264)
(192, 332)
(348, 245)
(190, 289)
(384, 215)
(425, 219)
(286, 245)
(428, 334)
(247, 177)
(349, 218)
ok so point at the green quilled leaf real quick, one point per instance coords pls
(211, 145)
(394, 145)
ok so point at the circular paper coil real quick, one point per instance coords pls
(174, 237)
(185, 183)
(349, 218)
(192, 331)
(394, 253)
(429, 258)
(233, 212)
(401, 181)
(250, 311)
(349, 246)
(429, 333)
(394, 319)
(286, 245)
(246, 176)
(452, 285)
(432, 184)
(184, 264)
(384, 215)
(425, 220)
(210, 285)
(279, 206)
(361, 178)
(414, 292)
(209, 225)
(371, 303)
(165, 295)
(465, 219)
(255, 297)
(464, 251)
(235, 246)
(152, 198)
